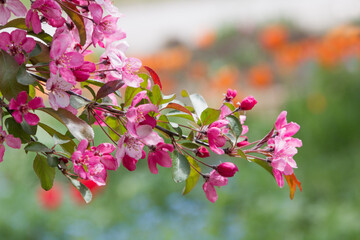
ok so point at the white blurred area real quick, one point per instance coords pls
(149, 25)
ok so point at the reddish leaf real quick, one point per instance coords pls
(109, 87)
(178, 107)
(154, 76)
(292, 181)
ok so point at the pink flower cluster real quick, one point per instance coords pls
(92, 163)
(284, 147)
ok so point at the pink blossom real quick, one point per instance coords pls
(109, 7)
(51, 12)
(104, 27)
(126, 68)
(285, 129)
(63, 61)
(230, 95)
(8, 6)
(88, 165)
(10, 140)
(283, 151)
(58, 97)
(129, 151)
(216, 136)
(21, 108)
(103, 151)
(160, 155)
(283, 147)
(227, 169)
(16, 44)
(140, 123)
(202, 152)
(214, 179)
(82, 73)
(248, 103)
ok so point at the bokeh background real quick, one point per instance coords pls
(302, 57)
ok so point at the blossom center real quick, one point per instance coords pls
(24, 109)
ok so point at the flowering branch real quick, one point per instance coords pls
(55, 66)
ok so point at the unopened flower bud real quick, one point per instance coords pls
(230, 95)
(227, 169)
(202, 152)
(248, 103)
(242, 143)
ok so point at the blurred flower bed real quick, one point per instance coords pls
(316, 76)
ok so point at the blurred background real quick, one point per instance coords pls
(300, 56)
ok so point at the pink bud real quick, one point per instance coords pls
(248, 103)
(242, 143)
(227, 169)
(202, 152)
(230, 95)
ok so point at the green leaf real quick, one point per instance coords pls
(155, 95)
(31, 130)
(193, 178)
(130, 93)
(58, 140)
(235, 126)
(16, 130)
(199, 103)
(241, 154)
(77, 102)
(36, 147)
(114, 124)
(109, 87)
(167, 98)
(68, 146)
(145, 77)
(263, 164)
(9, 68)
(74, 14)
(180, 168)
(191, 136)
(23, 77)
(16, 23)
(36, 51)
(45, 173)
(84, 191)
(52, 161)
(209, 116)
(163, 122)
(190, 145)
(180, 115)
(177, 129)
(42, 60)
(32, 92)
(93, 82)
(77, 127)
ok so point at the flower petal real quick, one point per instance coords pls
(31, 119)
(12, 141)
(36, 103)
(210, 192)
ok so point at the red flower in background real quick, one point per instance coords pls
(52, 199)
